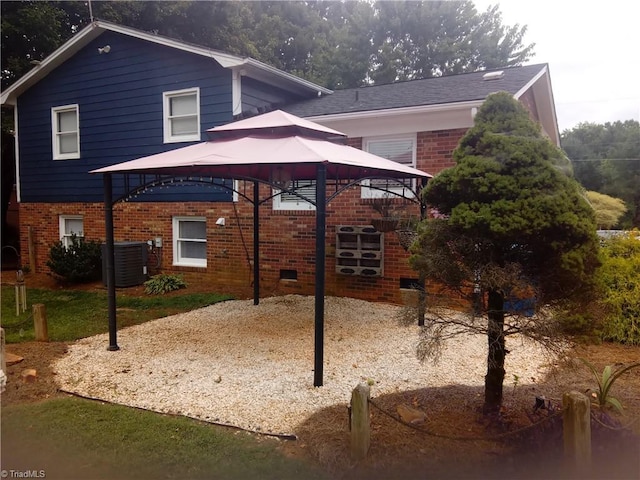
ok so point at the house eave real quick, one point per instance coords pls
(252, 67)
(366, 114)
(541, 83)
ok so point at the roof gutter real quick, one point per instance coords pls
(94, 29)
(398, 111)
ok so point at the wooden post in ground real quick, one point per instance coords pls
(360, 422)
(3, 361)
(21, 293)
(40, 322)
(577, 432)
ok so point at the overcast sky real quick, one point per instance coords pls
(593, 52)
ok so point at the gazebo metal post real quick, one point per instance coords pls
(422, 296)
(321, 214)
(256, 243)
(110, 272)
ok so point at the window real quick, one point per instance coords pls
(181, 111)
(65, 129)
(289, 201)
(190, 241)
(401, 149)
(70, 225)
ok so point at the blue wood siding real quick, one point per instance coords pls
(120, 100)
(257, 95)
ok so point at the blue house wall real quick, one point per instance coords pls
(120, 101)
(257, 95)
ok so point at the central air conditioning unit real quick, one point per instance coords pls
(130, 262)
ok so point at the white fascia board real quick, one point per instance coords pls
(391, 112)
(55, 59)
(541, 82)
(402, 120)
(224, 59)
(274, 72)
(530, 83)
(93, 30)
(16, 150)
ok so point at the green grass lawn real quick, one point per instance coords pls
(74, 314)
(73, 438)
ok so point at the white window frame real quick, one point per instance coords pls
(178, 260)
(287, 201)
(166, 117)
(65, 236)
(55, 134)
(365, 191)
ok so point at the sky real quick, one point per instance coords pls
(593, 52)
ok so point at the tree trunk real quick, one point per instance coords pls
(495, 358)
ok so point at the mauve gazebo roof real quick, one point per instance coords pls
(250, 148)
(272, 148)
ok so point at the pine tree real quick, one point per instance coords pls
(512, 222)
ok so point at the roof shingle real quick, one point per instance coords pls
(430, 91)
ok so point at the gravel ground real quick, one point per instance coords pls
(252, 366)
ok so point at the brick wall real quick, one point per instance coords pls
(287, 237)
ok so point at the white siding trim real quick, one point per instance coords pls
(17, 152)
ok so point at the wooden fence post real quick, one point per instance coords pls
(577, 432)
(40, 322)
(3, 361)
(360, 422)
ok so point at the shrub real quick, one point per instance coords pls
(619, 278)
(80, 262)
(163, 283)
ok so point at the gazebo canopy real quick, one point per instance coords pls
(274, 148)
(251, 148)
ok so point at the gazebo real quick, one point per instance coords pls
(274, 148)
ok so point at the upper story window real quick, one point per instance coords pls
(70, 225)
(401, 149)
(190, 241)
(181, 111)
(289, 201)
(65, 130)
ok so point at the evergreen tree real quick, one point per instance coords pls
(512, 223)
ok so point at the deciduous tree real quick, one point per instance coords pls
(608, 209)
(606, 159)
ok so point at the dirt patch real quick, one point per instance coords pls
(38, 356)
(398, 451)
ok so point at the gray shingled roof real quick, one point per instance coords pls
(430, 91)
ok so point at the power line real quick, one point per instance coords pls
(607, 159)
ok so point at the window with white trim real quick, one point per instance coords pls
(401, 149)
(190, 241)
(289, 201)
(65, 132)
(181, 113)
(70, 225)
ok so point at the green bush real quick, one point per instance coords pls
(619, 278)
(163, 283)
(80, 262)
